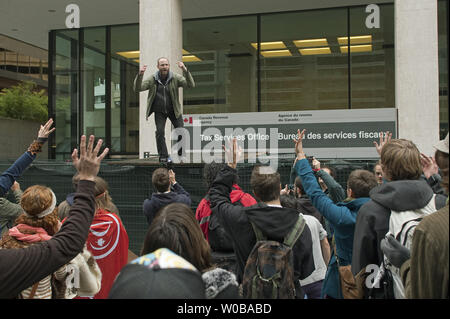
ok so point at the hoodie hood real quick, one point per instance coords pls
(158, 79)
(402, 195)
(164, 199)
(274, 222)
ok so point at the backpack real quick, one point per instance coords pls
(402, 225)
(269, 271)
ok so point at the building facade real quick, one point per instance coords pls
(256, 57)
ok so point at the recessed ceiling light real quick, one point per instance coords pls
(311, 43)
(357, 39)
(190, 58)
(314, 51)
(357, 48)
(270, 45)
(129, 54)
(275, 53)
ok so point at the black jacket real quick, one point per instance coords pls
(274, 222)
(21, 268)
(159, 200)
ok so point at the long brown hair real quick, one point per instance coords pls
(176, 228)
(102, 198)
(35, 199)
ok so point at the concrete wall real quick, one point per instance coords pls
(417, 72)
(16, 136)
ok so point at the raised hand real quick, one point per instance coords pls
(315, 163)
(88, 164)
(299, 144)
(172, 177)
(232, 154)
(384, 139)
(181, 66)
(429, 165)
(15, 186)
(285, 190)
(143, 68)
(45, 130)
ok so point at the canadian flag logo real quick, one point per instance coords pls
(188, 120)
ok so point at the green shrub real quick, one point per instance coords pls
(24, 102)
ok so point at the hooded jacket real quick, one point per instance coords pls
(274, 222)
(372, 223)
(186, 81)
(159, 200)
(209, 222)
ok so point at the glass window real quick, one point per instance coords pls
(94, 82)
(443, 67)
(66, 92)
(220, 57)
(2, 59)
(11, 61)
(302, 66)
(124, 101)
(23, 63)
(372, 59)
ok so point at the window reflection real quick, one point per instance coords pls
(302, 65)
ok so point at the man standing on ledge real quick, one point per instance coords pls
(163, 99)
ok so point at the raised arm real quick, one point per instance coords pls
(183, 195)
(335, 190)
(8, 177)
(138, 84)
(187, 81)
(336, 215)
(21, 268)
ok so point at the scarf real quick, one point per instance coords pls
(39, 235)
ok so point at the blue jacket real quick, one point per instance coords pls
(15, 171)
(342, 217)
(159, 200)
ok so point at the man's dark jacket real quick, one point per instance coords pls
(159, 200)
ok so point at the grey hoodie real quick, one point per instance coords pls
(372, 222)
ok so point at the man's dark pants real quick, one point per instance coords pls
(160, 121)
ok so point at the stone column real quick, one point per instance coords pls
(160, 35)
(417, 72)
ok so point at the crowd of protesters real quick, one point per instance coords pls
(384, 237)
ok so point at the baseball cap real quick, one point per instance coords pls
(158, 275)
(442, 145)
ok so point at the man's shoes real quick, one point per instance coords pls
(163, 159)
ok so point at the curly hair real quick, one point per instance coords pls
(35, 199)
